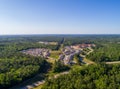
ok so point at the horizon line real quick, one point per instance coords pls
(57, 34)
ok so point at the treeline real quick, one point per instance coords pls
(30, 38)
(96, 39)
(91, 77)
(7, 50)
(106, 52)
(14, 71)
(16, 67)
(12, 45)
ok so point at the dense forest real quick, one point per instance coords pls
(97, 39)
(107, 52)
(58, 66)
(11, 45)
(16, 67)
(90, 77)
(13, 71)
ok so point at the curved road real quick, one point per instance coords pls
(114, 62)
(38, 83)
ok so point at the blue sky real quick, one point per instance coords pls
(59, 17)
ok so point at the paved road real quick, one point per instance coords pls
(38, 83)
(114, 62)
(57, 75)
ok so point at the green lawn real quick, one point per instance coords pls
(55, 54)
(39, 87)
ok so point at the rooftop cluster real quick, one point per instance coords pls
(48, 43)
(69, 51)
(82, 46)
(37, 52)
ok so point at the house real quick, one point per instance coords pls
(61, 57)
(68, 59)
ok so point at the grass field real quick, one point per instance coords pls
(39, 87)
(55, 54)
(88, 61)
